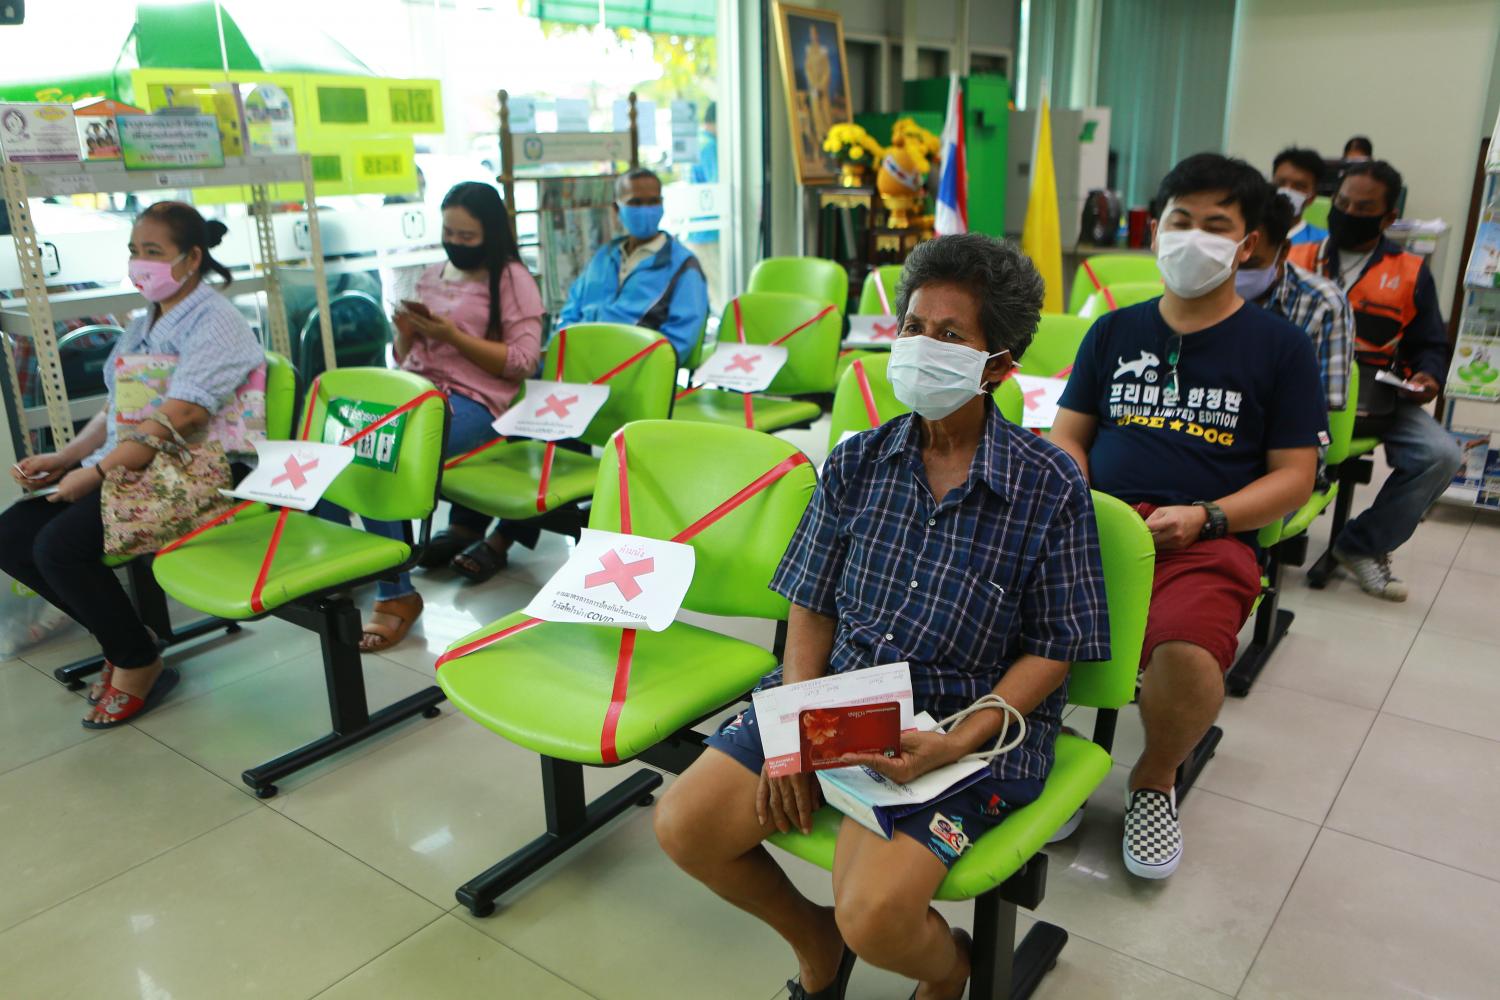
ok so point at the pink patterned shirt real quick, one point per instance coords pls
(467, 304)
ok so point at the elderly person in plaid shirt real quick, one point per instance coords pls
(1303, 298)
(952, 540)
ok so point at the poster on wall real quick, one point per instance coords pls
(813, 74)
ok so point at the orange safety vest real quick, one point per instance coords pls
(1384, 300)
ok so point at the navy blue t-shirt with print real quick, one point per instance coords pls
(1246, 385)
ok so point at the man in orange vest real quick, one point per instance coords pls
(1399, 335)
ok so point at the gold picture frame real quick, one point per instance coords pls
(815, 100)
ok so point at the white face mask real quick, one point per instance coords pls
(1297, 198)
(1193, 262)
(936, 378)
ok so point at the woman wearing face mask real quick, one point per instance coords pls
(474, 332)
(54, 545)
(952, 540)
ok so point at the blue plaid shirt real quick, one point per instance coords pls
(216, 352)
(1315, 304)
(1006, 564)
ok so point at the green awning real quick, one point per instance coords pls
(667, 17)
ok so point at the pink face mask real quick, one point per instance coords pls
(154, 278)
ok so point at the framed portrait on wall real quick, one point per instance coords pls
(813, 73)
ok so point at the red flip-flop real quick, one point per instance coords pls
(105, 673)
(120, 707)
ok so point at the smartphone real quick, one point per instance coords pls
(417, 308)
(39, 475)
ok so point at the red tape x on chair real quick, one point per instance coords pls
(301, 568)
(809, 331)
(527, 480)
(599, 695)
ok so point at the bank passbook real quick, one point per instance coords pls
(829, 733)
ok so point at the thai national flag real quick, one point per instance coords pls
(953, 182)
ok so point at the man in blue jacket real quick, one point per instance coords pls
(645, 278)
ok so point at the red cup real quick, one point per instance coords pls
(1136, 228)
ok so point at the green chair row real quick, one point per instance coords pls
(582, 695)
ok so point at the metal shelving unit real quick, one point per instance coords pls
(23, 182)
(1465, 412)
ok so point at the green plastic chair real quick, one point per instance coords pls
(1052, 352)
(695, 356)
(1110, 269)
(150, 602)
(1284, 543)
(318, 562)
(550, 687)
(1316, 212)
(824, 281)
(361, 333)
(505, 481)
(886, 275)
(812, 357)
(1005, 868)
(851, 413)
(1125, 294)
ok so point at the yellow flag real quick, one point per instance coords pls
(1041, 238)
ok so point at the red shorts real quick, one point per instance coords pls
(1202, 595)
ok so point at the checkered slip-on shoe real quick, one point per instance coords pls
(1153, 837)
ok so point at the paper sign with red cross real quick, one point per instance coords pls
(742, 367)
(1039, 398)
(872, 331)
(614, 579)
(552, 411)
(293, 474)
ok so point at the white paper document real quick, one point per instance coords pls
(742, 367)
(777, 710)
(1039, 398)
(871, 331)
(293, 474)
(552, 411)
(618, 580)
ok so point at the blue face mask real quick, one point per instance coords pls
(641, 221)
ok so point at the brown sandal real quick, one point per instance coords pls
(378, 638)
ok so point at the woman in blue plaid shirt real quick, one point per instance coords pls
(952, 540)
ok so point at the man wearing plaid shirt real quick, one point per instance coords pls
(1303, 298)
(947, 538)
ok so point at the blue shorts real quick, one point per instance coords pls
(947, 827)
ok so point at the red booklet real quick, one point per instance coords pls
(829, 733)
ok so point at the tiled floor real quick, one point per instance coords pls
(1342, 844)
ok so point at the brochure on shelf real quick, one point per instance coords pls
(38, 133)
(167, 141)
(1484, 259)
(1474, 372)
(97, 132)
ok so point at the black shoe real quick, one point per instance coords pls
(834, 990)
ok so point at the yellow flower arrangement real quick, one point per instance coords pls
(851, 144)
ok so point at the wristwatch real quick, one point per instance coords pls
(1217, 525)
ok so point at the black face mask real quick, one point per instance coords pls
(1349, 231)
(465, 258)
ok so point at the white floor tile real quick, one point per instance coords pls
(1431, 792)
(1466, 607)
(255, 908)
(1339, 656)
(1366, 921)
(1450, 682)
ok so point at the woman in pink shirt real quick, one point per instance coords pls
(474, 332)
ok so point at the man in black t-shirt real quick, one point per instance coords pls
(1205, 412)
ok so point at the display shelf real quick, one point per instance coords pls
(98, 301)
(46, 180)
